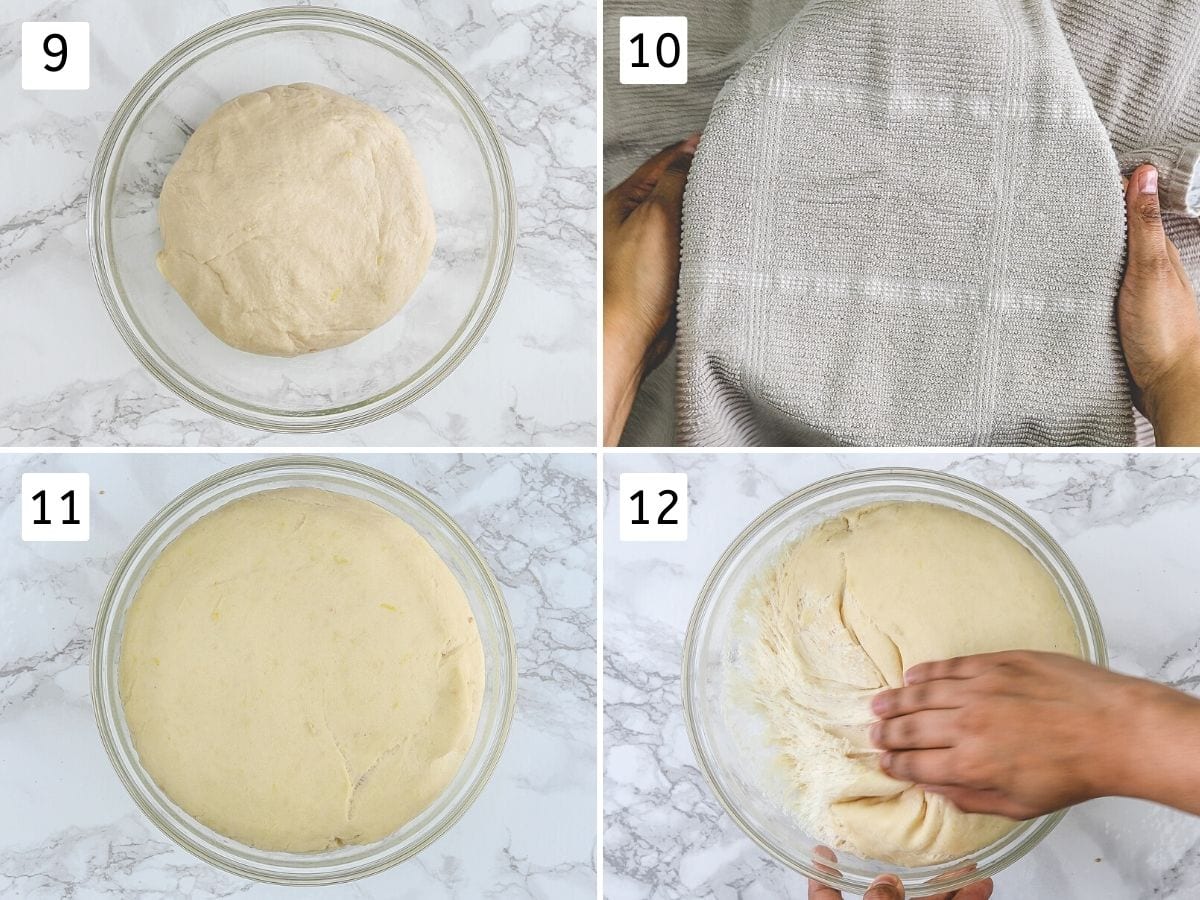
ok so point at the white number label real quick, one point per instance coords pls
(654, 50)
(54, 56)
(55, 506)
(654, 507)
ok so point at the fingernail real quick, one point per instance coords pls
(879, 704)
(876, 733)
(1150, 181)
(885, 760)
(690, 144)
(890, 880)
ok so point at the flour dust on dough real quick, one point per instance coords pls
(300, 670)
(841, 615)
(295, 220)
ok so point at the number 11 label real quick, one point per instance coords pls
(654, 506)
(55, 506)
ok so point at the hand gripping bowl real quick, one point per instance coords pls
(468, 179)
(491, 617)
(710, 649)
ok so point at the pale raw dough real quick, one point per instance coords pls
(296, 219)
(300, 670)
(847, 609)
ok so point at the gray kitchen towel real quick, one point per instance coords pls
(1138, 58)
(904, 226)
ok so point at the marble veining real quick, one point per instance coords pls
(66, 377)
(67, 826)
(1129, 523)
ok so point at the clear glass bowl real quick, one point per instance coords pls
(710, 648)
(468, 178)
(491, 616)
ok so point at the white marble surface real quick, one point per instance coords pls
(67, 827)
(66, 377)
(1129, 523)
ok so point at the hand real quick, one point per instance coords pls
(642, 222)
(1158, 320)
(1020, 734)
(889, 887)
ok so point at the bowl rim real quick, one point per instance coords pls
(1038, 828)
(103, 665)
(362, 411)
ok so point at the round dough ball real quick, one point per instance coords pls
(300, 670)
(846, 611)
(295, 220)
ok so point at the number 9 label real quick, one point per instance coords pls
(654, 506)
(654, 49)
(55, 56)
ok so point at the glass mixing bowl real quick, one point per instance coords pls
(491, 617)
(711, 648)
(468, 178)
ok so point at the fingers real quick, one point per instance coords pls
(816, 890)
(634, 190)
(668, 192)
(936, 767)
(959, 667)
(925, 730)
(980, 890)
(945, 694)
(977, 800)
(885, 887)
(1148, 242)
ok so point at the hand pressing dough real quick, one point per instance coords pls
(847, 609)
(296, 219)
(300, 670)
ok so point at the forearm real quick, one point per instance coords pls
(1173, 406)
(1160, 749)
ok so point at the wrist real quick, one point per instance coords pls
(1172, 401)
(626, 335)
(624, 368)
(1157, 745)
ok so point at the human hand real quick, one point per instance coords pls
(642, 222)
(1158, 320)
(889, 887)
(1020, 734)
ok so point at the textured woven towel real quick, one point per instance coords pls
(904, 226)
(1140, 60)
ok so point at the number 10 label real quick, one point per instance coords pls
(654, 50)
(55, 506)
(654, 506)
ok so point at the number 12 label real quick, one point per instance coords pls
(654, 506)
(55, 506)
(654, 49)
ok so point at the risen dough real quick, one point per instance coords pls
(845, 612)
(300, 670)
(296, 219)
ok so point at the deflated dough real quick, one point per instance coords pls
(296, 219)
(300, 670)
(847, 609)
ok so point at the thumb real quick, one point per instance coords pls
(885, 887)
(668, 193)
(1147, 239)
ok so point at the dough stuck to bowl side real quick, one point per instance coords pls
(296, 219)
(841, 615)
(300, 670)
